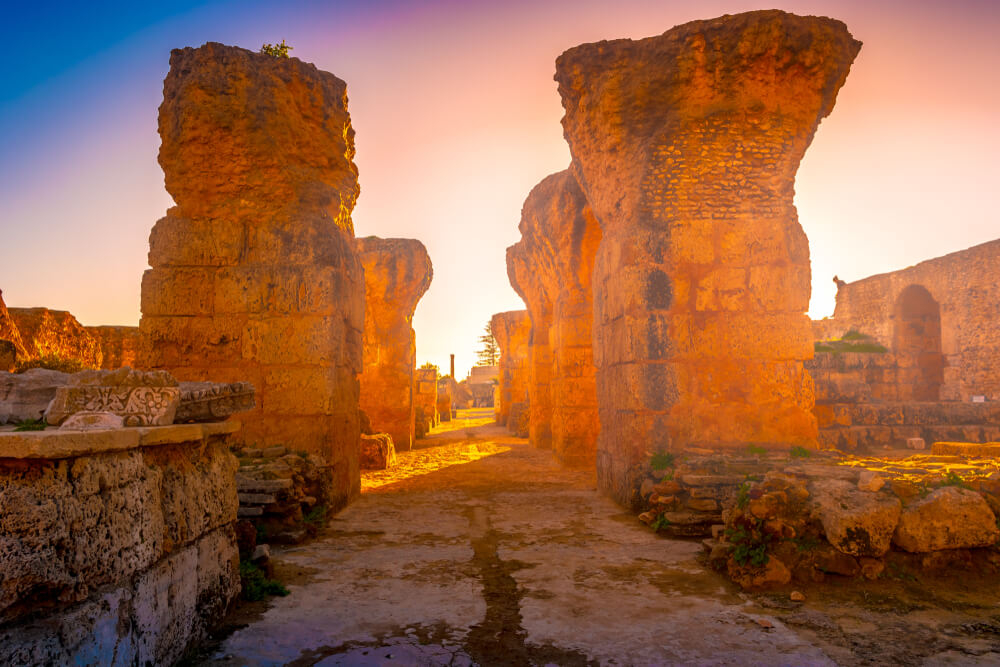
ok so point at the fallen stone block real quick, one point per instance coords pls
(377, 452)
(26, 395)
(92, 421)
(213, 401)
(855, 522)
(948, 518)
(140, 398)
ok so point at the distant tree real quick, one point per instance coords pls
(489, 353)
(276, 50)
(429, 366)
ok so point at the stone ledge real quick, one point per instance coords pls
(69, 444)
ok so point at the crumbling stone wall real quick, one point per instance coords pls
(254, 273)
(117, 543)
(964, 287)
(512, 331)
(397, 273)
(551, 269)
(47, 332)
(119, 345)
(686, 146)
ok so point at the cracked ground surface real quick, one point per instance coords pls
(478, 549)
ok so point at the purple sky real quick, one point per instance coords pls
(457, 117)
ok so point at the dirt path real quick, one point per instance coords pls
(478, 549)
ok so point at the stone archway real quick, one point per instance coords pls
(917, 344)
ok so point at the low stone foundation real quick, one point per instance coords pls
(774, 519)
(116, 546)
(870, 427)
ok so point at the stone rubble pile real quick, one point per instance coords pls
(771, 520)
(284, 494)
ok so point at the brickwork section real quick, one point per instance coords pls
(686, 146)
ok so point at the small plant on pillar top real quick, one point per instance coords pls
(276, 50)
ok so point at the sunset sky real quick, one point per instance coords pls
(457, 117)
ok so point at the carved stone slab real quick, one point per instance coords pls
(140, 399)
(211, 401)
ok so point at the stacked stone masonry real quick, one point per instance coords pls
(512, 331)
(254, 273)
(115, 543)
(551, 269)
(686, 146)
(397, 273)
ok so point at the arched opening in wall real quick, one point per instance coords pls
(917, 343)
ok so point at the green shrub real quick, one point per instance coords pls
(276, 50)
(256, 586)
(662, 461)
(755, 450)
(30, 425)
(798, 452)
(660, 523)
(750, 542)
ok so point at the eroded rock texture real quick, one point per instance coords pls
(512, 331)
(551, 269)
(47, 333)
(686, 146)
(397, 273)
(254, 273)
(9, 334)
(119, 345)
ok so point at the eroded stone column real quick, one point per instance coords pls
(551, 269)
(397, 273)
(686, 146)
(254, 273)
(425, 398)
(512, 331)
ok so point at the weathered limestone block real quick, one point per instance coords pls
(47, 332)
(92, 421)
(213, 401)
(397, 273)
(26, 395)
(686, 146)
(377, 452)
(512, 331)
(254, 273)
(425, 400)
(551, 269)
(949, 518)
(141, 399)
(856, 522)
(119, 345)
(115, 545)
(9, 332)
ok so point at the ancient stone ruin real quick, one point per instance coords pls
(397, 273)
(910, 356)
(686, 146)
(48, 333)
(254, 273)
(425, 399)
(551, 269)
(512, 331)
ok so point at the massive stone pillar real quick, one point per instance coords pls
(254, 272)
(686, 146)
(551, 269)
(397, 273)
(512, 331)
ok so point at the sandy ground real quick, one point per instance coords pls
(478, 549)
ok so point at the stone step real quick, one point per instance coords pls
(257, 498)
(246, 512)
(247, 485)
